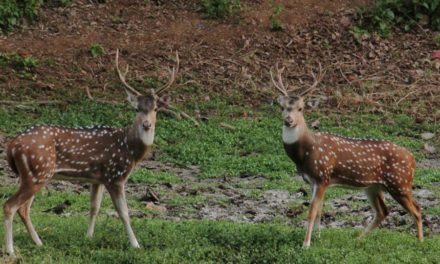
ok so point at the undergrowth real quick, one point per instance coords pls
(221, 8)
(13, 12)
(405, 14)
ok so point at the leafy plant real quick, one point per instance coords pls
(359, 34)
(406, 14)
(221, 8)
(18, 62)
(57, 3)
(12, 12)
(96, 50)
(274, 19)
(437, 40)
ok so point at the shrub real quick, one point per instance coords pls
(221, 8)
(405, 14)
(19, 63)
(96, 50)
(274, 19)
(12, 12)
(437, 40)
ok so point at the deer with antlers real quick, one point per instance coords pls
(102, 156)
(326, 160)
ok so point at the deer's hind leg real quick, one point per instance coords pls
(96, 191)
(24, 212)
(407, 201)
(375, 195)
(21, 201)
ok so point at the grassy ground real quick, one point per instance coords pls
(252, 148)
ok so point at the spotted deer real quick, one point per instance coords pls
(326, 160)
(103, 156)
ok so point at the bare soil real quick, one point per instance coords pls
(224, 58)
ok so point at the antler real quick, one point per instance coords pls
(316, 79)
(172, 76)
(122, 75)
(279, 85)
(158, 91)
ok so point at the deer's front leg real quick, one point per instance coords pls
(117, 193)
(96, 191)
(315, 207)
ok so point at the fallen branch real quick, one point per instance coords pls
(89, 95)
(171, 113)
(227, 126)
(185, 115)
(44, 102)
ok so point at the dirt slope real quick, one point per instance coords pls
(225, 57)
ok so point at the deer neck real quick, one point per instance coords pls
(138, 141)
(297, 141)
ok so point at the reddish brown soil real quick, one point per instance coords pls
(221, 57)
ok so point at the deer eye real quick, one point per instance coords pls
(137, 110)
(155, 109)
(300, 109)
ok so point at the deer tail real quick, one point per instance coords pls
(10, 158)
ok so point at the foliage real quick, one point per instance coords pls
(221, 8)
(437, 40)
(386, 14)
(11, 12)
(359, 34)
(57, 3)
(18, 62)
(274, 19)
(96, 50)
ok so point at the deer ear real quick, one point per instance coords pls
(281, 99)
(132, 99)
(163, 101)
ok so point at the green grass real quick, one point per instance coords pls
(194, 241)
(147, 176)
(427, 176)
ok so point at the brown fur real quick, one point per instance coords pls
(326, 160)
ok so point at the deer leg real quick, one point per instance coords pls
(117, 194)
(407, 201)
(317, 226)
(24, 212)
(375, 195)
(96, 192)
(317, 198)
(11, 206)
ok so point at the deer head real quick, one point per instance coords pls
(146, 105)
(293, 106)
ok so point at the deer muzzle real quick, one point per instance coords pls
(290, 124)
(147, 125)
